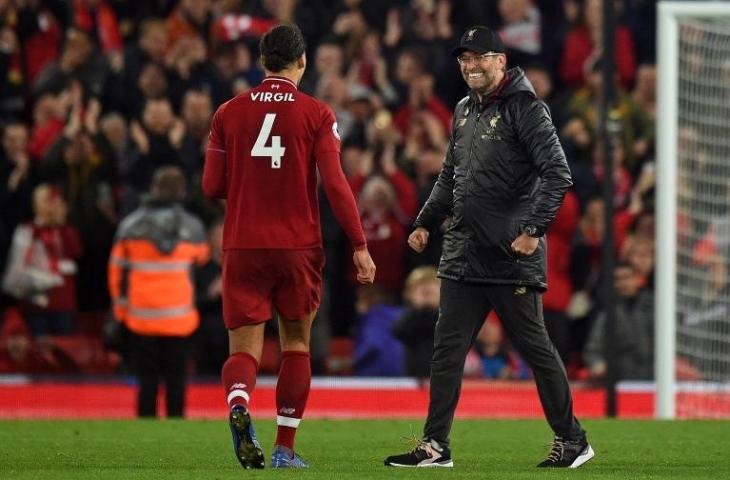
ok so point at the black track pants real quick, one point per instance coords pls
(463, 308)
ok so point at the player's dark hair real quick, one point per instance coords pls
(281, 46)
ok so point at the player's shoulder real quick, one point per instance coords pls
(313, 104)
(227, 104)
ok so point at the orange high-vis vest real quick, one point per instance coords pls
(151, 270)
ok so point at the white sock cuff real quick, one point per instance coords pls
(287, 421)
(237, 393)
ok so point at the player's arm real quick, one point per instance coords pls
(339, 194)
(345, 210)
(214, 182)
(340, 197)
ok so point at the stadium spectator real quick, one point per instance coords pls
(191, 19)
(378, 353)
(541, 78)
(196, 112)
(17, 179)
(370, 69)
(211, 338)
(521, 29)
(35, 43)
(98, 19)
(416, 324)
(387, 203)
(156, 143)
(21, 353)
(83, 164)
(329, 60)
(636, 126)
(633, 349)
(556, 299)
(584, 44)
(49, 119)
(332, 90)
(421, 97)
(498, 359)
(150, 282)
(80, 60)
(42, 266)
(644, 92)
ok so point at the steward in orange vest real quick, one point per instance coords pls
(151, 285)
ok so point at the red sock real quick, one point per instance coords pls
(292, 390)
(239, 378)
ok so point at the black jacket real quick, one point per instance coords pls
(504, 169)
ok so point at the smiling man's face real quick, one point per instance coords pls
(482, 72)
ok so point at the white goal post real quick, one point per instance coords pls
(690, 33)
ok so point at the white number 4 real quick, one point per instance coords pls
(275, 150)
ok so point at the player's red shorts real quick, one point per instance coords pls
(255, 280)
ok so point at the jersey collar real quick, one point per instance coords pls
(285, 80)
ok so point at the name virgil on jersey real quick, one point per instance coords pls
(272, 97)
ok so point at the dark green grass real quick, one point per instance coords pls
(341, 450)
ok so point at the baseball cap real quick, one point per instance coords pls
(479, 39)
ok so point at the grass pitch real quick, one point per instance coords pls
(340, 450)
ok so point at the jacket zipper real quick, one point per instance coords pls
(467, 179)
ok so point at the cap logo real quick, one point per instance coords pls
(470, 34)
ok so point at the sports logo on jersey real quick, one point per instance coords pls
(335, 132)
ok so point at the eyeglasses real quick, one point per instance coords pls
(466, 60)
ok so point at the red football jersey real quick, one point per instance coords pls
(264, 149)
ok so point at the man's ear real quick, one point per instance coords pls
(302, 61)
(503, 60)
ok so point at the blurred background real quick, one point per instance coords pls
(97, 94)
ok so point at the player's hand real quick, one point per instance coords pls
(365, 266)
(418, 239)
(525, 244)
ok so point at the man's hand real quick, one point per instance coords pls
(418, 239)
(525, 244)
(365, 266)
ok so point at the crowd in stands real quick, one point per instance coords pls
(95, 95)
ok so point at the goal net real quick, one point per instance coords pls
(695, 381)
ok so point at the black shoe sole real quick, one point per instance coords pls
(249, 454)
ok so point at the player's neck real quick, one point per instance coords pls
(289, 74)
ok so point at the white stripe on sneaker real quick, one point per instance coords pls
(448, 464)
(237, 393)
(583, 457)
(287, 421)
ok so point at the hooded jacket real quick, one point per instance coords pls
(504, 170)
(150, 269)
